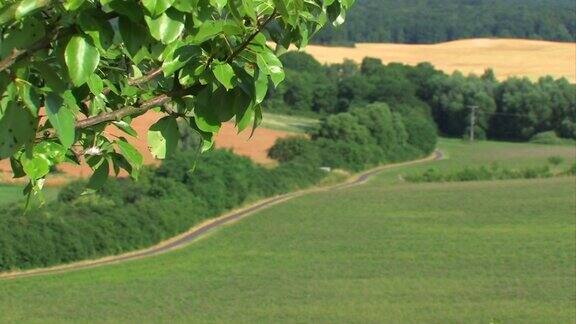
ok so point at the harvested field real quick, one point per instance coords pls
(508, 57)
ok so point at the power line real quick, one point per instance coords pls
(503, 114)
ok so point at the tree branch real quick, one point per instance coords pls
(19, 54)
(147, 78)
(247, 42)
(157, 101)
(123, 112)
(163, 98)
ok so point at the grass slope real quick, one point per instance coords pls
(383, 252)
(508, 57)
(293, 124)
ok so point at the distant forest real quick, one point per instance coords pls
(434, 21)
(516, 109)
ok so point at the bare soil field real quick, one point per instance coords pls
(255, 148)
(508, 57)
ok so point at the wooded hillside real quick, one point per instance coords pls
(426, 21)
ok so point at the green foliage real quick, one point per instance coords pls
(291, 148)
(93, 64)
(555, 160)
(422, 22)
(515, 109)
(125, 215)
(549, 137)
(421, 133)
(364, 137)
(482, 173)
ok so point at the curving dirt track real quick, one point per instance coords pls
(200, 230)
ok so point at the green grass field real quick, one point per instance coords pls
(387, 251)
(294, 124)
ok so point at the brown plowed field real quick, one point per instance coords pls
(255, 148)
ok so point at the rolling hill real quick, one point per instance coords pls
(507, 57)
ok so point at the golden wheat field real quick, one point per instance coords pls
(508, 57)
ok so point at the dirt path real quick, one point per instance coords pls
(201, 229)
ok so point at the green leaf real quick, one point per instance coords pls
(205, 117)
(167, 27)
(26, 7)
(206, 31)
(17, 168)
(125, 127)
(100, 176)
(177, 55)
(131, 154)
(163, 138)
(72, 5)
(224, 74)
(157, 7)
(29, 97)
(62, 119)
(135, 36)
(219, 4)
(54, 152)
(21, 35)
(257, 118)
(96, 25)
(186, 5)
(126, 8)
(191, 73)
(36, 167)
(17, 128)
(53, 81)
(81, 58)
(261, 86)
(269, 64)
(222, 103)
(95, 84)
(275, 68)
(244, 116)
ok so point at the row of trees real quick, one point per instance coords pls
(363, 137)
(515, 109)
(421, 21)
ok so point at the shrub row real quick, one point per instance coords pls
(125, 215)
(484, 173)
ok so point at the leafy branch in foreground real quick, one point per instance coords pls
(70, 69)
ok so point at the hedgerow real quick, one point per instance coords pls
(125, 215)
(483, 173)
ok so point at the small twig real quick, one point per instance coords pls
(251, 38)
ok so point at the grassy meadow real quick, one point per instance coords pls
(293, 124)
(387, 251)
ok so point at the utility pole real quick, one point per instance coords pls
(472, 121)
